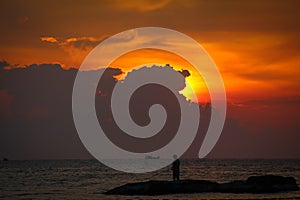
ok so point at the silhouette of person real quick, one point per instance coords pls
(175, 168)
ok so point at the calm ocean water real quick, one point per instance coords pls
(88, 179)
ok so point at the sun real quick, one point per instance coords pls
(131, 60)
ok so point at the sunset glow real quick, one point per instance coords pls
(254, 44)
(133, 59)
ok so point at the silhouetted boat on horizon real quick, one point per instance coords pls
(152, 157)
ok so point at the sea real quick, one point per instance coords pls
(88, 179)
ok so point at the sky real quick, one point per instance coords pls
(255, 45)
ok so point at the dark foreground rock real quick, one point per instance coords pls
(254, 184)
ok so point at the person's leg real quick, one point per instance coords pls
(174, 175)
(177, 175)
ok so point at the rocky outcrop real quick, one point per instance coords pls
(254, 184)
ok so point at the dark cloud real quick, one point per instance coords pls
(185, 73)
(3, 64)
(82, 43)
(37, 123)
(41, 125)
(257, 140)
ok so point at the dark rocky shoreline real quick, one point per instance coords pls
(254, 184)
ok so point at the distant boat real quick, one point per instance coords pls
(5, 159)
(152, 157)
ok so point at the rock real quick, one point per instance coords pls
(271, 183)
(164, 187)
(254, 184)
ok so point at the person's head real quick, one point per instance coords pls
(175, 156)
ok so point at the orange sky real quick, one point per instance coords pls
(255, 44)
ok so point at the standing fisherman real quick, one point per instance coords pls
(175, 168)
